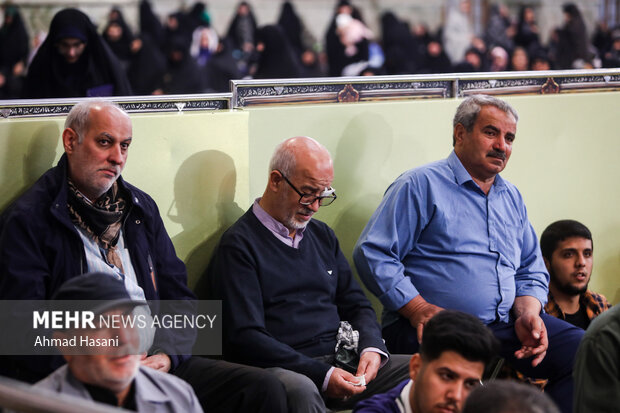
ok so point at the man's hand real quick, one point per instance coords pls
(369, 365)
(530, 329)
(418, 312)
(158, 361)
(340, 387)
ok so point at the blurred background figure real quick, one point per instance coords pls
(303, 43)
(337, 56)
(242, 34)
(177, 28)
(198, 16)
(472, 62)
(573, 40)
(611, 58)
(500, 30)
(147, 66)
(458, 31)
(204, 44)
(400, 46)
(118, 36)
(182, 73)
(435, 59)
(14, 48)
(540, 61)
(527, 30)
(519, 60)
(74, 61)
(150, 24)
(276, 58)
(499, 59)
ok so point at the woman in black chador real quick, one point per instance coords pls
(74, 61)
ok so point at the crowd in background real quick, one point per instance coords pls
(182, 53)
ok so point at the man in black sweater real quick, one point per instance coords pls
(288, 290)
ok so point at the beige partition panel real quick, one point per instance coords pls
(195, 166)
(564, 160)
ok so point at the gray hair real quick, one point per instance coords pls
(283, 158)
(467, 112)
(79, 116)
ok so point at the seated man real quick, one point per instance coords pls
(597, 365)
(454, 234)
(507, 396)
(82, 216)
(112, 374)
(455, 351)
(567, 249)
(286, 289)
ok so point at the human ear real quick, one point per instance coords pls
(69, 140)
(414, 365)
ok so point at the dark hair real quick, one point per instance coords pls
(559, 231)
(460, 332)
(504, 396)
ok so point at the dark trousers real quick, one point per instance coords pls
(557, 366)
(228, 387)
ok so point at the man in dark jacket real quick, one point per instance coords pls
(289, 296)
(81, 216)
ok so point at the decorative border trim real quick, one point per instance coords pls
(547, 83)
(247, 93)
(337, 90)
(134, 104)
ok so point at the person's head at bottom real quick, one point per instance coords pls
(503, 396)
(456, 347)
(108, 355)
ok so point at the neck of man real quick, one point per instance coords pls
(267, 202)
(484, 184)
(122, 396)
(568, 303)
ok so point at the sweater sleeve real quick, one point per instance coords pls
(353, 305)
(233, 272)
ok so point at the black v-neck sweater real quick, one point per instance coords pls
(282, 306)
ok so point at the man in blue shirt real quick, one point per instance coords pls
(455, 235)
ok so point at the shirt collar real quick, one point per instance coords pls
(404, 406)
(271, 223)
(147, 391)
(461, 175)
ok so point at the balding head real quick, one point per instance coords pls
(292, 153)
(308, 167)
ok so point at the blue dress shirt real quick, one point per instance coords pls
(437, 234)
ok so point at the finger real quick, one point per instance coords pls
(346, 376)
(362, 367)
(371, 373)
(538, 359)
(420, 330)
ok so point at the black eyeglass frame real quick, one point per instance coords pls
(330, 198)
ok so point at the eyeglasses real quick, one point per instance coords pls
(327, 197)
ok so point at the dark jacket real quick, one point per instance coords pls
(40, 249)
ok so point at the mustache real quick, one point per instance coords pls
(497, 154)
(448, 405)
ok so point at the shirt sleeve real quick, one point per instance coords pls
(531, 278)
(388, 237)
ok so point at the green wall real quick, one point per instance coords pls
(564, 160)
(205, 168)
